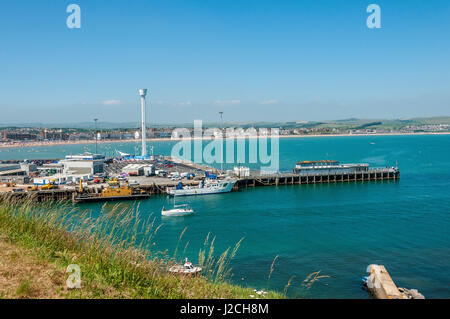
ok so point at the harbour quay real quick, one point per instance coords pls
(326, 171)
(146, 177)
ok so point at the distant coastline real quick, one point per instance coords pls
(55, 143)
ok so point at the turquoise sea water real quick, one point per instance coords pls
(336, 228)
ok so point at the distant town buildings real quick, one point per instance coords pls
(21, 135)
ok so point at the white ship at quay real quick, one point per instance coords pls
(207, 186)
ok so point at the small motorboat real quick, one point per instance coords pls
(178, 210)
(365, 281)
(187, 268)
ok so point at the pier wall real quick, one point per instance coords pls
(242, 183)
(295, 179)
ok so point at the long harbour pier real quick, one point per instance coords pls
(376, 174)
(145, 190)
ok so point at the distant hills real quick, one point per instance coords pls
(353, 123)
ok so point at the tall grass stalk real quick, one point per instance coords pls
(272, 267)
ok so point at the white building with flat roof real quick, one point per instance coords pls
(61, 179)
(133, 169)
(12, 170)
(84, 164)
(51, 168)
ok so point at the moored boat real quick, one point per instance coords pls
(178, 210)
(187, 268)
(207, 186)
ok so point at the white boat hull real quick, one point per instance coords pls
(217, 188)
(184, 271)
(177, 212)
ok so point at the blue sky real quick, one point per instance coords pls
(253, 60)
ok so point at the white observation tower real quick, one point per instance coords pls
(143, 93)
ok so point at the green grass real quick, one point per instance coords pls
(24, 289)
(113, 262)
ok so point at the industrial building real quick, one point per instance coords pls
(83, 164)
(16, 172)
(139, 169)
(149, 170)
(133, 170)
(51, 168)
(61, 179)
(11, 169)
(28, 168)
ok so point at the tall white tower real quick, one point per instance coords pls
(143, 93)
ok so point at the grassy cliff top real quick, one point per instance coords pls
(39, 241)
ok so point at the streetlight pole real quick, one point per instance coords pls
(221, 132)
(96, 136)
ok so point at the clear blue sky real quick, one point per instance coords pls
(255, 60)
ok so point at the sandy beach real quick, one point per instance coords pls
(55, 143)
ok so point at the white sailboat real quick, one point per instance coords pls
(177, 210)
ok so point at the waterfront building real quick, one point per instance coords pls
(17, 179)
(61, 179)
(149, 170)
(14, 169)
(133, 170)
(28, 168)
(51, 168)
(329, 167)
(84, 164)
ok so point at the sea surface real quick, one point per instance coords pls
(337, 229)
